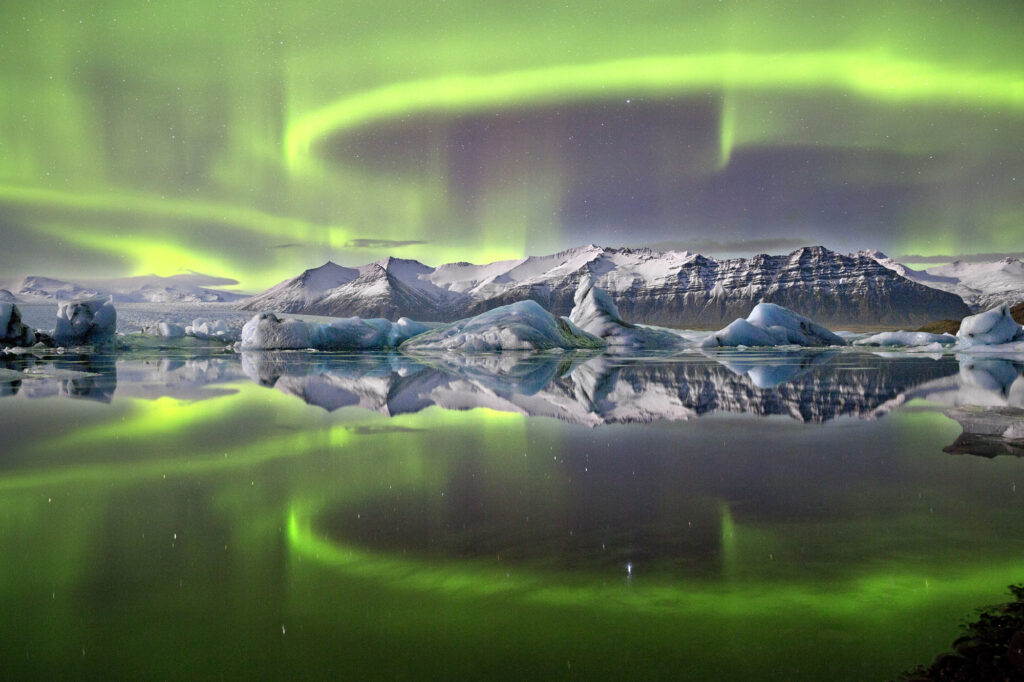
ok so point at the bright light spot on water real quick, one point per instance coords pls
(629, 569)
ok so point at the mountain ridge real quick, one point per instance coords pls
(670, 288)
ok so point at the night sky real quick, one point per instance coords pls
(252, 140)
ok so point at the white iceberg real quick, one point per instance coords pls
(355, 333)
(990, 328)
(205, 328)
(167, 330)
(596, 313)
(523, 325)
(268, 332)
(14, 332)
(769, 324)
(89, 321)
(910, 339)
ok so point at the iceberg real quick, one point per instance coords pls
(523, 325)
(268, 332)
(769, 324)
(355, 333)
(88, 321)
(167, 330)
(910, 339)
(990, 328)
(14, 332)
(596, 313)
(205, 328)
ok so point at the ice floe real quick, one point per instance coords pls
(991, 328)
(523, 325)
(205, 328)
(168, 330)
(909, 339)
(769, 324)
(266, 331)
(596, 313)
(90, 321)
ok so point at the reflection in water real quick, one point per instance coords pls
(70, 375)
(986, 397)
(589, 390)
(199, 511)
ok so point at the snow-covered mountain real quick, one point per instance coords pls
(981, 285)
(673, 288)
(147, 288)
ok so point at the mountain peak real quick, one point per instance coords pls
(653, 287)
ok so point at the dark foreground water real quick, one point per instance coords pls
(784, 516)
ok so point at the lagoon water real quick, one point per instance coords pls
(806, 515)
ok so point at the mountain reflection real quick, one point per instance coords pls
(985, 395)
(594, 390)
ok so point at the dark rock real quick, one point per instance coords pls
(14, 332)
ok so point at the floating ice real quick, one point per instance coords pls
(89, 321)
(769, 324)
(13, 332)
(990, 328)
(523, 325)
(266, 331)
(596, 313)
(168, 330)
(205, 328)
(354, 333)
(902, 338)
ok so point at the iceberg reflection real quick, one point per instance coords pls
(591, 390)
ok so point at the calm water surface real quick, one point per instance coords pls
(737, 516)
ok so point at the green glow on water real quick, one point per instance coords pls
(210, 524)
(869, 595)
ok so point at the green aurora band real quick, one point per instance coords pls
(138, 138)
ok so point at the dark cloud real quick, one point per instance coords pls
(966, 257)
(381, 243)
(285, 246)
(712, 246)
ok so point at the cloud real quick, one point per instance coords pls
(381, 243)
(751, 246)
(189, 278)
(285, 246)
(966, 257)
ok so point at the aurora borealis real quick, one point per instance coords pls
(252, 141)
